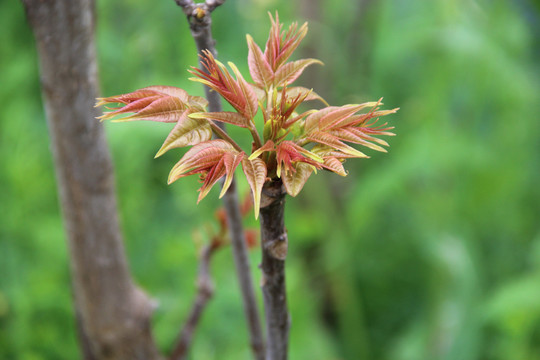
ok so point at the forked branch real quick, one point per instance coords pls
(205, 290)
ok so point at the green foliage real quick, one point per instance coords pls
(431, 251)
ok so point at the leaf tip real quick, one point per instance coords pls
(160, 152)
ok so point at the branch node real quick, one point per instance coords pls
(278, 247)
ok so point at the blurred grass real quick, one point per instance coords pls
(431, 251)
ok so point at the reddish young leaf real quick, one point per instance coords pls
(281, 44)
(288, 154)
(249, 95)
(261, 72)
(333, 159)
(332, 126)
(289, 72)
(295, 180)
(212, 160)
(335, 165)
(295, 91)
(154, 103)
(223, 116)
(355, 135)
(328, 117)
(231, 163)
(255, 171)
(171, 91)
(268, 146)
(330, 140)
(237, 92)
(187, 131)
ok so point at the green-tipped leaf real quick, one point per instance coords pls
(268, 146)
(333, 142)
(348, 134)
(255, 171)
(294, 181)
(187, 131)
(231, 162)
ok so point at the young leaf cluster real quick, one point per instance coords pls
(292, 145)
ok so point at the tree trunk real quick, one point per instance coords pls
(114, 314)
(274, 243)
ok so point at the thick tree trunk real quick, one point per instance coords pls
(274, 244)
(114, 313)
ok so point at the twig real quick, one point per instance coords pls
(200, 21)
(274, 244)
(205, 290)
(222, 134)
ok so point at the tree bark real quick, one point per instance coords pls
(274, 244)
(200, 23)
(114, 313)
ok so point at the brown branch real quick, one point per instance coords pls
(274, 243)
(200, 22)
(205, 290)
(114, 313)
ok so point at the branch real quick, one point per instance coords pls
(205, 290)
(274, 244)
(190, 7)
(200, 22)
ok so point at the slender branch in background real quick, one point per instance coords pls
(205, 290)
(200, 22)
(274, 243)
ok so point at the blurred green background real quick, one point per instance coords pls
(431, 251)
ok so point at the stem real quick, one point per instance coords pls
(221, 133)
(243, 270)
(274, 252)
(201, 31)
(256, 137)
(205, 290)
